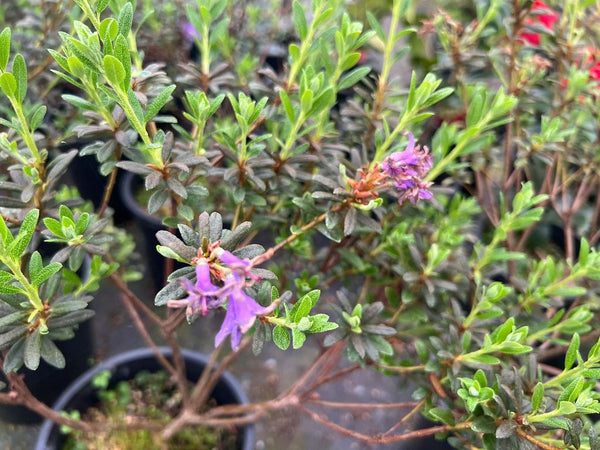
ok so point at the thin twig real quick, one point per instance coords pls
(128, 293)
(380, 439)
(133, 313)
(351, 406)
(406, 418)
(536, 442)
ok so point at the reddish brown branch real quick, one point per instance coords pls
(380, 439)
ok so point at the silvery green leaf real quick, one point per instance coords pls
(506, 429)
(134, 167)
(52, 355)
(231, 240)
(263, 274)
(70, 319)
(171, 291)
(249, 251)
(189, 236)
(215, 226)
(183, 272)
(13, 360)
(156, 200)
(13, 318)
(258, 340)
(32, 350)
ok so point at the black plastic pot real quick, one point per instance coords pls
(80, 395)
(47, 382)
(84, 171)
(148, 225)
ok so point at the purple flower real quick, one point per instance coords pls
(188, 31)
(241, 313)
(202, 296)
(242, 309)
(407, 170)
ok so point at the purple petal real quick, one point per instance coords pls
(230, 259)
(411, 142)
(241, 314)
(189, 31)
(203, 282)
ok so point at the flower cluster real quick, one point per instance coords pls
(204, 296)
(407, 170)
(544, 16)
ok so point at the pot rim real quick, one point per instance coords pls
(128, 198)
(112, 362)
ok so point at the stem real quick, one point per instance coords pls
(289, 142)
(348, 405)
(536, 442)
(205, 50)
(31, 291)
(108, 189)
(304, 46)
(382, 439)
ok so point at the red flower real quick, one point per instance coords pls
(592, 63)
(547, 19)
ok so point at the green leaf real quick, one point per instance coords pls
(501, 333)
(287, 106)
(537, 397)
(572, 351)
(54, 226)
(45, 273)
(514, 348)
(443, 415)
(556, 422)
(101, 6)
(109, 28)
(35, 264)
(167, 252)
(63, 308)
(125, 19)
(12, 318)
(294, 52)
(114, 71)
(376, 26)
(301, 309)
(14, 357)
(135, 104)
(352, 78)
(73, 318)
(4, 48)
(8, 84)
(52, 355)
(23, 238)
(5, 234)
(33, 349)
(381, 344)
(20, 72)
(298, 338)
(567, 408)
(484, 359)
(123, 55)
(37, 117)
(281, 337)
(10, 336)
(350, 222)
(158, 102)
(299, 20)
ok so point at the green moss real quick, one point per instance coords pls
(150, 400)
